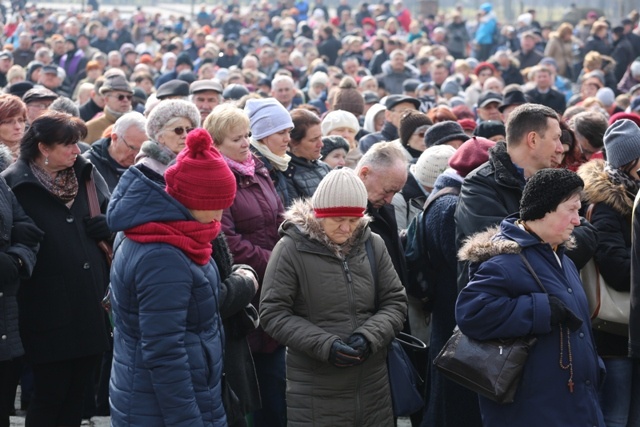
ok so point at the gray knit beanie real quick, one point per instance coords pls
(340, 193)
(267, 116)
(167, 110)
(622, 143)
(545, 190)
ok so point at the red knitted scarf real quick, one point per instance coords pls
(191, 237)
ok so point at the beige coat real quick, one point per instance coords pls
(315, 292)
(96, 126)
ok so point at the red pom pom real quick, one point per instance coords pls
(199, 140)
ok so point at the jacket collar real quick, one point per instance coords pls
(506, 172)
(23, 175)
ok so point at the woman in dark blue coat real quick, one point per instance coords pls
(503, 300)
(168, 340)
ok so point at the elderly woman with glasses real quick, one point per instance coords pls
(113, 154)
(167, 127)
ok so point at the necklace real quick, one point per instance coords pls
(568, 365)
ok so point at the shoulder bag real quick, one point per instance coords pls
(491, 368)
(404, 380)
(94, 210)
(608, 307)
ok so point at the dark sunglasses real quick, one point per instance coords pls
(122, 96)
(180, 130)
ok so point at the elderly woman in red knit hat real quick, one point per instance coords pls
(335, 305)
(168, 339)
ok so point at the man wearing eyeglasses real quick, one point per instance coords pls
(112, 155)
(117, 94)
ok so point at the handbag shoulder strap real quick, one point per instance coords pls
(92, 196)
(533, 273)
(589, 212)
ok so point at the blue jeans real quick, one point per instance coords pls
(271, 373)
(620, 393)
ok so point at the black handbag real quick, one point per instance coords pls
(404, 381)
(491, 368)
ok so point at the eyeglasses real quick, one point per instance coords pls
(130, 147)
(121, 97)
(180, 130)
(584, 153)
(38, 105)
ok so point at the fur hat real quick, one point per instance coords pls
(622, 143)
(267, 116)
(339, 119)
(200, 179)
(348, 97)
(340, 193)
(431, 163)
(167, 110)
(545, 190)
(471, 154)
(333, 142)
(443, 132)
(409, 122)
(489, 128)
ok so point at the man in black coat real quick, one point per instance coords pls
(543, 93)
(329, 45)
(493, 191)
(623, 52)
(528, 56)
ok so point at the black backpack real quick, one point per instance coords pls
(419, 266)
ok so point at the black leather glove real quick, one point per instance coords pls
(560, 313)
(342, 355)
(359, 343)
(97, 227)
(26, 233)
(9, 268)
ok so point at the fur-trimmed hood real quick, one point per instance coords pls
(598, 188)
(6, 158)
(507, 238)
(301, 220)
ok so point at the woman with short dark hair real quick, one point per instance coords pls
(62, 324)
(13, 115)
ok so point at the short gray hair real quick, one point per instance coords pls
(383, 155)
(65, 105)
(128, 120)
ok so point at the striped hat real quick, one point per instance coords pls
(340, 193)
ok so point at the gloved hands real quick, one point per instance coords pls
(26, 233)
(342, 355)
(560, 313)
(97, 227)
(359, 343)
(9, 268)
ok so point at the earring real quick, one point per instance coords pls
(46, 160)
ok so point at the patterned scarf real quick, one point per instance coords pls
(191, 237)
(620, 177)
(64, 186)
(246, 168)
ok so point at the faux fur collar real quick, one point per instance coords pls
(301, 216)
(598, 188)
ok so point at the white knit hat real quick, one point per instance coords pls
(339, 119)
(267, 116)
(432, 162)
(340, 193)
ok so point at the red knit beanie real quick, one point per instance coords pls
(200, 179)
(471, 154)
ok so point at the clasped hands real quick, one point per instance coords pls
(354, 352)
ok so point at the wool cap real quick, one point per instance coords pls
(431, 163)
(513, 97)
(339, 119)
(115, 82)
(266, 117)
(340, 193)
(471, 154)
(184, 58)
(409, 122)
(489, 128)
(168, 109)
(482, 65)
(622, 115)
(443, 132)
(333, 142)
(173, 87)
(622, 143)
(348, 98)
(545, 190)
(19, 88)
(235, 91)
(606, 96)
(450, 86)
(200, 179)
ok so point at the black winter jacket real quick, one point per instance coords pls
(99, 155)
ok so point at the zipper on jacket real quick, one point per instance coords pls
(350, 295)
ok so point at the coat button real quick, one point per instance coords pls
(581, 334)
(4, 337)
(86, 266)
(588, 382)
(70, 219)
(1, 294)
(570, 290)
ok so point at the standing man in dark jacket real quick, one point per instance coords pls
(493, 191)
(18, 248)
(543, 93)
(528, 56)
(395, 105)
(329, 45)
(623, 52)
(114, 154)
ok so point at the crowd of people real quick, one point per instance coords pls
(255, 172)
